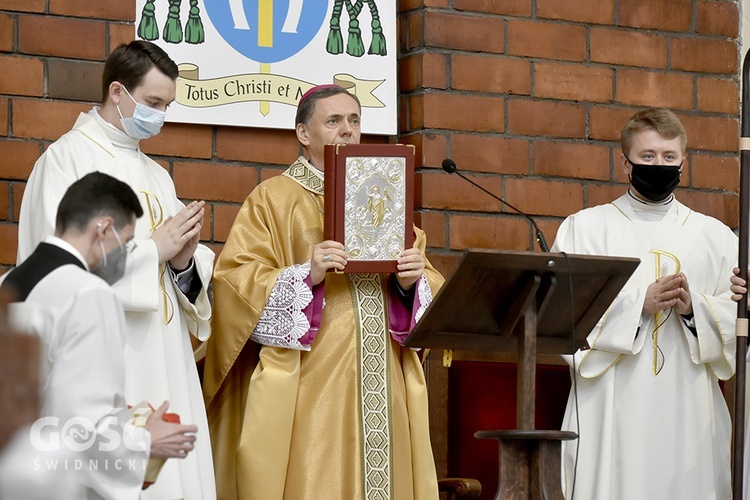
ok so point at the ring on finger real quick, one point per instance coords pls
(327, 258)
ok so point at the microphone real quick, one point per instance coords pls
(450, 167)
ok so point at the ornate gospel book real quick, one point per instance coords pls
(369, 203)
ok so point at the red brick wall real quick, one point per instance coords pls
(527, 96)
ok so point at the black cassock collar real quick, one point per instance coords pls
(45, 259)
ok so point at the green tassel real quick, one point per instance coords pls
(355, 47)
(377, 46)
(354, 9)
(194, 32)
(335, 43)
(147, 29)
(173, 28)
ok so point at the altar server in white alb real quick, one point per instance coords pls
(164, 290)
(80, 322)
(653, 421)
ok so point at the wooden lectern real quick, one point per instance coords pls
(527, 302)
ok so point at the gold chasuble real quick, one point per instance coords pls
(343, 418)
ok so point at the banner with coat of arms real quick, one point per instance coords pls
(247, 62)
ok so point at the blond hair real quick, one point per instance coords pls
(661, 120)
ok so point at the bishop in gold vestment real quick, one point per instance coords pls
(310, 393)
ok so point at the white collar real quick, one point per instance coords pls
(649, 209)
(117, 137)
(59, 242)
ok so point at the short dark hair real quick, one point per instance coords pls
(307, 107)
(129, 63)
(95, 195)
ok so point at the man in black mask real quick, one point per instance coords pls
(650, 415)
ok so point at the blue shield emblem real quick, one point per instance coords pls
(267, 31)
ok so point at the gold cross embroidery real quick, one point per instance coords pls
(156, 221)
(662, 270)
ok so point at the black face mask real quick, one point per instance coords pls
(654, 182)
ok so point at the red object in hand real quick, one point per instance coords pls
(155, 465)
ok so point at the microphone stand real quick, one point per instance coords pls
(741, 327)
(450, 167)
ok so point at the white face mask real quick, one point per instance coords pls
(146, 121)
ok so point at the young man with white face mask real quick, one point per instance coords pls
(81, 325)
(650, 414)
(164, 287)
